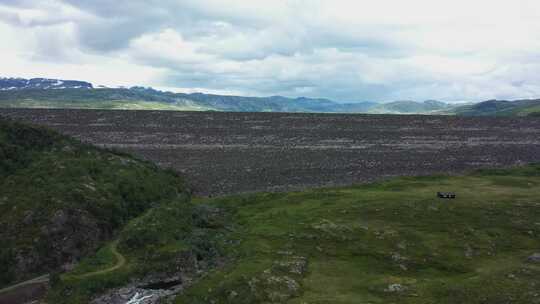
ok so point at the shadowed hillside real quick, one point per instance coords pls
(61, 199)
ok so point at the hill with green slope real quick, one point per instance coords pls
(128, 99)
(410, 107)
(17, 93)
(62, 199)
(69, 94)
(148, 98)
(500, 108)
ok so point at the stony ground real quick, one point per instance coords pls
(224, 153)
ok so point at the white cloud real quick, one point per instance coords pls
(342, 49)
(51, 52)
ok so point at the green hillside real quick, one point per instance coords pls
(140, 98)
(500, 108)
(410, 107)
(62, 199)
(149, 99)
(124, 99)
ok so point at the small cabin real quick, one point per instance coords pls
(446, 195)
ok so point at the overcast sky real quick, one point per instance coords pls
(381, 50)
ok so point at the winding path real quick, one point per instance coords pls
(120, 261)
(25, 292)
(38, 280)
(35, 288)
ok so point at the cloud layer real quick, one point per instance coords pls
(346, 50)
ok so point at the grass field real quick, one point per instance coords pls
(390, 242)
(387, 242)
(530, 111)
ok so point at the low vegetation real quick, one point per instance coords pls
(389, 242)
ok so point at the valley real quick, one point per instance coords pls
(96, 225)
(269, 152)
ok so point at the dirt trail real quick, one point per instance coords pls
(120, 261)
(35, 288)
(25, 292)
(37, 280)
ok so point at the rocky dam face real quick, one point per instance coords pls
(226, 153)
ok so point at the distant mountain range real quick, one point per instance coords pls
(7, 84)
(54, 93)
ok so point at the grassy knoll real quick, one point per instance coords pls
(389, 242)
(498, 108)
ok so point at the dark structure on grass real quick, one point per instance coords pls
(449, 195)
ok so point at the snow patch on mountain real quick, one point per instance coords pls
(8, 84)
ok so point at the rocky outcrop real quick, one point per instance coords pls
(127, 293)
(157, 287)
(66, 237)
(534, 258)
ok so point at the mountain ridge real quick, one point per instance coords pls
(149, 98)
(7, 84)
(56, 93)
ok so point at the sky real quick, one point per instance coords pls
(348, 51)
